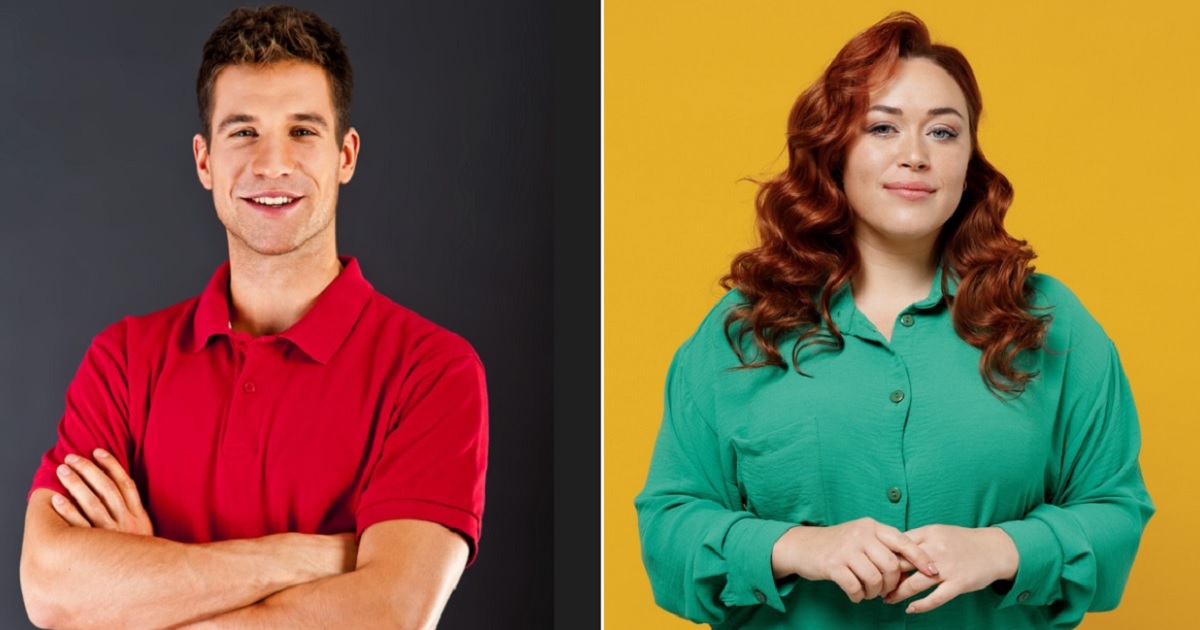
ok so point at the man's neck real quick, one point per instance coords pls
(268, 294)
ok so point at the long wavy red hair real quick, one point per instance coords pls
(805, 225)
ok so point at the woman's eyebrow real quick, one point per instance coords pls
(896, 111)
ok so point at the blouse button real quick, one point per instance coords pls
(894, 494)
(906, 319)
(248, 387)
(896, 396)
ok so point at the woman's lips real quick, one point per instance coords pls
(911, 194)
(911, 191)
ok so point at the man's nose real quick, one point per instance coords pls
(273, 158)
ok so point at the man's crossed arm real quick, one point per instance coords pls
(94, 562)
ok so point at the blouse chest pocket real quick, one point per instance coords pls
(778, 473)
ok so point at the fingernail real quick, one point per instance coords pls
(101, 453)
(64, 470)
(910, 610)
(58, 500)
(933, 568)
(71, 459)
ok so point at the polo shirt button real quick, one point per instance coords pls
(1023, 596)
(906, 319)
(894, 494)
(248, 387)
(896, 396)
(760, 597)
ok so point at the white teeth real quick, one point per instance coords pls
(274, 201)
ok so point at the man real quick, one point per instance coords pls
(289, 448)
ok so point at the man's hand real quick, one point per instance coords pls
(104, 495)
(865, 558)
(969, 559)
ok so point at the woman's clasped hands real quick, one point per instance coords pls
(868, 559)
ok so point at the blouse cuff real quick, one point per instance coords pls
(1040, 564)
(751, 582)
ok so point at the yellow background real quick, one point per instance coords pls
(1092, 113)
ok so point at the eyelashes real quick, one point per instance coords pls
(884, 130)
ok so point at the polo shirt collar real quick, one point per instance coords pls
(319, 333)
(852, 322)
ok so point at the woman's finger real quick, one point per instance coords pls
(910, 586)
(940, 595)
(868, 575)
(904, 545)
(888, 565)
(848, 582)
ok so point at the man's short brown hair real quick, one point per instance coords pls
(260, 36)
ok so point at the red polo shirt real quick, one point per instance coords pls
(361, 412)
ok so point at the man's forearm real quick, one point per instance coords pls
(407, 571)
(87, 577)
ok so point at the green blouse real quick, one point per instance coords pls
(904, 432)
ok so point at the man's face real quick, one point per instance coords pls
(275, 163)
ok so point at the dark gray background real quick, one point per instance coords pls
(450, 211)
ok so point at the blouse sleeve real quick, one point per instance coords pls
(706, 556)
(1076, 550)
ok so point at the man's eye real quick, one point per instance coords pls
(303, 132)
(243, 133)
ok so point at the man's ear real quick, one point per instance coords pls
(200, 151)
(349, 156)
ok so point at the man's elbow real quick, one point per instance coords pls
(44, 608)
(405, 614)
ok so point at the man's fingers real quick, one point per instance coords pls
(904, 545)
(67, 510)
(121, 479)
(940, 595)
(102, 485)
(93, 509)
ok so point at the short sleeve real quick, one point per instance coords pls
(97, 409)
(434, 456)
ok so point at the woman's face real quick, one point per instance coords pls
(906, 168)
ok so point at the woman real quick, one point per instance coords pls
(890, 414)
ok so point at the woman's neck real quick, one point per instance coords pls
(890, 279)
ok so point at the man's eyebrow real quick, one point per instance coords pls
(315, 119)
(305, 117)
(896, 111)
(235, 119)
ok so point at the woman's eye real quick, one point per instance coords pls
(943, 134)
(881, 129)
